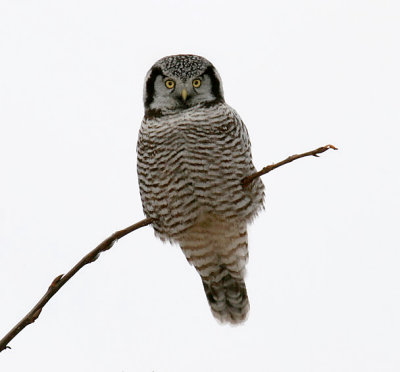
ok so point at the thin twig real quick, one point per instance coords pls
(60, 280)
(246, 181)
(92, 256)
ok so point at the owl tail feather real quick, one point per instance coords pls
(227, 297)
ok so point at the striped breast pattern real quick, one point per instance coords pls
(191, 163)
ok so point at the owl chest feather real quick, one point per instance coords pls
(192, 163)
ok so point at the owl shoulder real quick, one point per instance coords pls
(239, 123)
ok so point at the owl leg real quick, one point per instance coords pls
(219, 254)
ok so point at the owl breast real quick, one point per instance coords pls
(190, 165)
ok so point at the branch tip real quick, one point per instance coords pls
(331, 147)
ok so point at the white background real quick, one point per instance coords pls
(323, 276)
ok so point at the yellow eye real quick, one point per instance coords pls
(196, 83)
(170, 84)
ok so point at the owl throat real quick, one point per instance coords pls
(151, 113)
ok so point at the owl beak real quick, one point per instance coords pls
(184, 94)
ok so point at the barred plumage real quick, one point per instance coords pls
(193, 153)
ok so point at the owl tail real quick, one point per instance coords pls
(227, 297)
(218, 251)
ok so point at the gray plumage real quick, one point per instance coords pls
(193, 151)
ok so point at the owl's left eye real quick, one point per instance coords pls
(196, 83)
(170, 84)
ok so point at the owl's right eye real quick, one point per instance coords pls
(170, 84)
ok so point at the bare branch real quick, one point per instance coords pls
(92, 256)
(60, 280)
(246, 181)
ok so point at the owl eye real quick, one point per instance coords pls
(196, 83)
(170, 84)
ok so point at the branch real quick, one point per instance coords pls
(60, 280)
(249, 179)
(92, 256)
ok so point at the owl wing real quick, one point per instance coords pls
(165, 185)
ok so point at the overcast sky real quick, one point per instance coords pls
(323, 276)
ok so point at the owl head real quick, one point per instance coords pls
(180, 82)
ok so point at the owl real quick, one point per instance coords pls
(193, 152)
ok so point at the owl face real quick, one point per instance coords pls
(180, 82)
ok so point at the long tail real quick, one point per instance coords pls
(218, 250)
